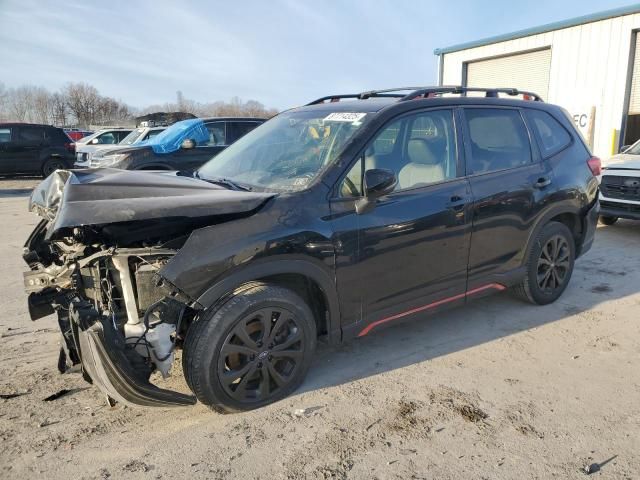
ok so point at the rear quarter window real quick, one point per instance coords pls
(499, 140)
(550, 134)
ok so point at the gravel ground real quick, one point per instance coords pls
(497, 389)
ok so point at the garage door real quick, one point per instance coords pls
(634, 99)
(524, 71)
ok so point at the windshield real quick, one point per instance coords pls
(132, 137)
(633, 149)
(287, 152)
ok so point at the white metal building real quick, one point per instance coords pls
(590, 65)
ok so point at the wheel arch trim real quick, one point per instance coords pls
(260, 270)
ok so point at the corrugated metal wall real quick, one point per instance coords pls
(588, 69)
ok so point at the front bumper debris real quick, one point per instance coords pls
(102, 352)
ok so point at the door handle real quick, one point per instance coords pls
(456, 202)
(542, 182)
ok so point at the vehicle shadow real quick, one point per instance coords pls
(17, 186)
(599, 276)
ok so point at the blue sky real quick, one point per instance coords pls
(279, 52)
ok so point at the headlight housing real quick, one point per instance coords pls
(107, 160)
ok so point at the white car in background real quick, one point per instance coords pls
(85, 153)
(620, 186)
(108, 136)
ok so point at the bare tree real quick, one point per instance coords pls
(82, 105)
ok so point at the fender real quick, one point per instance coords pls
(277, 266)
(542, 220)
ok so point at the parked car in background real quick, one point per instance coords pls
(184, 145)
(76, 134)
(137, 136)
(108, 136)
(329, 221)
(34, 149)
(620, 186)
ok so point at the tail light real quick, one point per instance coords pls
(595, 165)
(71, 147)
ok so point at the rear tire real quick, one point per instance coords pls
(252, 350)
(608, 220)
(52, 165)
(549, 265)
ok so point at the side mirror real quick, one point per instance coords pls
(624, 148)
(377, 182)
(188, 144)
(94, 141)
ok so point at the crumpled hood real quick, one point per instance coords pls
(72, 198)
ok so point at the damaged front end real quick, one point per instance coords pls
(119, 318)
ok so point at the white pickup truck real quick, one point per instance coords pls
(620, 186)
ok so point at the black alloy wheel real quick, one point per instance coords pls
(261, 354)
(251, 350)
(553, 264)
(549, 265)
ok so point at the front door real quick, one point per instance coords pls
(509, 185)
(409, 254)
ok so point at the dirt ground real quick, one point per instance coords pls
(496, 390)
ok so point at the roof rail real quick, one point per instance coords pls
(489, 92)
(426, 92)
(359, 96)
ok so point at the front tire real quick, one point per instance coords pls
(549, 266)
(252, 350)
(605, 220)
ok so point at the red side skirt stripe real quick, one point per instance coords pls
(491, 286)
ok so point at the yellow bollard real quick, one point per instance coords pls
(614, 141)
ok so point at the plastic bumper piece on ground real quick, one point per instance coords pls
(104, 360)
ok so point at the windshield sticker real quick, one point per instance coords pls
(344, 117)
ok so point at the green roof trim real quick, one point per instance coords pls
(572, 22)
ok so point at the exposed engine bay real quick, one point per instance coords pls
(112, 294)
(119, 317)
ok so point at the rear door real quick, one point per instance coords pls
(31, 141)
(509, 183)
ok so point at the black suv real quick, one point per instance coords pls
(34, 149)
(185, 145)
(329, 221)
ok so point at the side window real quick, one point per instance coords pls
(420, 149)
(31, 134)
(217, 134)
(151, 134)
(351, 185)
(239, 129)
(551, 136)
(385, 142)
(108, 138)
(5, 135)
(499, 139)
(121, 135)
